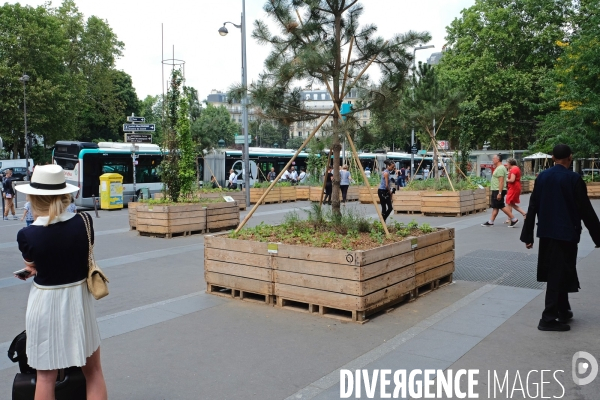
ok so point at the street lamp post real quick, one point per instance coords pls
(223, 31)
(134, 157)
(412, 135)
(25, 79)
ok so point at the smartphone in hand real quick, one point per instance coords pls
(22, 273)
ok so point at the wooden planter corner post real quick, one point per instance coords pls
(347, 285)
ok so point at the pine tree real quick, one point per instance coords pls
(310, 51)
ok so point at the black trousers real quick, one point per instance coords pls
(386, 202)
(344, 189)
(328, 190)
(557, 301)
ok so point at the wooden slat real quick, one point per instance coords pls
(381, 253)
(314, 296)
(433, 250)
(228, 223)
(224, 216)
(435, 237)
(332, 256)
(433, 262)
(387, 295)
(243, 246)
(246, 271)
(236, 257)
(350, 272)
(173, 222)
(237, 282)
(317, 282)
(387, 280)
(386, 265)
(170, 208)
(143, 228)
(434, 274)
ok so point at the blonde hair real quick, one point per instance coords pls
(52, 206)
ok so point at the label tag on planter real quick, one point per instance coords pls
(413, 243)
(480, 187)
(272, 248)
(229, 199)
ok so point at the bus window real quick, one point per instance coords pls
(66, 164)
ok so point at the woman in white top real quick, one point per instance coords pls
(232, 180)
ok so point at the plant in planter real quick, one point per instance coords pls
(343, 267)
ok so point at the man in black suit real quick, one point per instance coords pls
(560, 202)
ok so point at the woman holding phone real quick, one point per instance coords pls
(60, 321)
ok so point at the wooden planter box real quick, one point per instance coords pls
(315, 193)
(132, 207)
(167, 220)
(274, 195)
(527, 186)
(222, 216)
(238, 268)
(408, 201)
(302, 192)
(348, 285)
(593, 190)
(287, 193)
(239, 196)
(481, 199)
(447, 203)
(363, 195)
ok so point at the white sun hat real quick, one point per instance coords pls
(47, 180)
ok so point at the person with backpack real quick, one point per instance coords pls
(61, 326)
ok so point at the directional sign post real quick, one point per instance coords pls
(139, 127)
(135, 119)
(138, 138)
(414, 150)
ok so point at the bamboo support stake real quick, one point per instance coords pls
(355, 154)
(258, 203)
(211, 172)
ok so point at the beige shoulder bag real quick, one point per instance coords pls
(96, 280)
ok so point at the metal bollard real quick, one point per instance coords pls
(96, 207)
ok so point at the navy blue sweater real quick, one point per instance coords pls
(59, 250)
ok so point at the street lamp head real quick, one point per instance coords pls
(221, 143)
(223, 31)
(24, 78)
(429, 46)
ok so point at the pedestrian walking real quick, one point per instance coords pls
(72, 207)
(514, 188)
(560, 202)
(232, 183)
(9, 195)
(293, 175)
(328, 185)
(60, 320)
(385, 190)
(498, 193)
(27, 213)
(345, 179)
(271, 175)
(425, 172)
(401, 179)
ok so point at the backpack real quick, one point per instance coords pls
(17, 353)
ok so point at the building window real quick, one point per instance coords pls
(364, 123)
(365, 114)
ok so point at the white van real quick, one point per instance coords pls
(19, 162)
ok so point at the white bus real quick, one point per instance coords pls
(84, 162)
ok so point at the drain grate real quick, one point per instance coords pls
(506, 268)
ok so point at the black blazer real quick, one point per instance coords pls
(560, 202)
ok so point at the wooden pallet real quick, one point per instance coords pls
(431, 286)
(360, 317)
(406, 212)
(171, 235)
(238, 294)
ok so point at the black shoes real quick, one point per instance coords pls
(564, 317)
(513, 223)
(487, 223)
(553, 326)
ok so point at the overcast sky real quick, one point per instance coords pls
(212, 61)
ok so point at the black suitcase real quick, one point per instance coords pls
(70, 387)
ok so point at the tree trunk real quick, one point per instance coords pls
(336, 146)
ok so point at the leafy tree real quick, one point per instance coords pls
(309, 50)
(151, 110)
(497, 55)
(213, 125)
(573, 89)
(294, 143)
(187, 161)
(170, 163)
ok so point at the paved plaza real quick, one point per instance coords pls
(165, 338)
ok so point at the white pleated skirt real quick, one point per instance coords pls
(61, 326)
